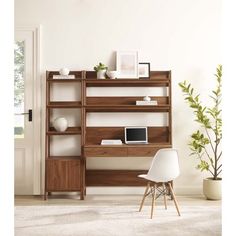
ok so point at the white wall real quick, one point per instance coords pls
(182, 36)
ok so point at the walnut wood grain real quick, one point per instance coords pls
(94, 135)
(68, 131)
(115, 178)
(62, 175)
(116, 101)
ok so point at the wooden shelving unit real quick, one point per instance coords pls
(63, 173)
(69, 173)
(159, 137)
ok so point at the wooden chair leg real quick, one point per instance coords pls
(153, 199)
(144, 196)
(164, 189)
(174, 198)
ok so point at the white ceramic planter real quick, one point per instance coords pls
(60, 124)
(101, 74)
(212, 189)
(112, 74)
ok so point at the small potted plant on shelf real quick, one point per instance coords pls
(101, 70)
(205, 143)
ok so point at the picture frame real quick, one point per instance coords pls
(144, 70)
(127, 64)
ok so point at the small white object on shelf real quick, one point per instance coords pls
(64, 71)
(60, 124)
(146, 98)
(111, 142)
(112, 74)
(63, 76)
(146, 103)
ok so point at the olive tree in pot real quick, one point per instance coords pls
(205, 143)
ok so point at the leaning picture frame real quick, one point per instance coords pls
(144, 70)
(127, 64)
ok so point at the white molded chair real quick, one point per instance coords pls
(163, 170)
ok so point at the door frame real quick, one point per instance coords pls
(37, 106)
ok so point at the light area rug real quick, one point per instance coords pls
(105, 220)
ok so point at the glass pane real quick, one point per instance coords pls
(19, 67)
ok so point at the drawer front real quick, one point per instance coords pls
(105, 152)
(63, 175)
(142, 151)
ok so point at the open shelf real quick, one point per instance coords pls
(64, 104)
(68, 131)
(78, 75)
(115, 178)
(64, 158)
(64, 173)
(127, 82)
(127, 108)
(51, 80)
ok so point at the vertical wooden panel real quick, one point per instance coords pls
(63, 175)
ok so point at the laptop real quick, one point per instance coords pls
(136, 135)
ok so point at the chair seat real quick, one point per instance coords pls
(145, 176)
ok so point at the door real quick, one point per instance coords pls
(25, 110)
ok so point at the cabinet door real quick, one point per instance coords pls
(62, 175)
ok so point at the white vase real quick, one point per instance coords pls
(212, 189)
(101, 74)
(60, 124)
(112, 74)
(64, 71)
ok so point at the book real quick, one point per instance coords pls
(63, 77)
(111, 142)
(146, 103)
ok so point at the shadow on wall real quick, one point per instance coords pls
(112, 61)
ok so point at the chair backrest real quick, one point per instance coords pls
(164, 166)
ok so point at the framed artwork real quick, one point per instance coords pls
(144, 70)
(127, 64)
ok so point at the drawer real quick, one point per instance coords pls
(105, 151)
(142, 151)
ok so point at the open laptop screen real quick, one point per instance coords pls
(136, 135)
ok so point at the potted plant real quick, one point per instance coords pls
(101, 70)
(205, 143)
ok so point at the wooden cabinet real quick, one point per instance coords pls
(64, 172)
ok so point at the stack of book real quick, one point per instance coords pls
(146, 103)
(63, 77)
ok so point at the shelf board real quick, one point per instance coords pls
(124, 150)
(127, 108)
(69, 131)
(151, 145)
(127, 82)
(66, 104)
(51, 80)
(64, 158)
(115, 178)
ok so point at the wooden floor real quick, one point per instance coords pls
(190, 200)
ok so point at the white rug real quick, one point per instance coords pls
(116, 220)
